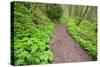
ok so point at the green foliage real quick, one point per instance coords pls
(90, 28)
(37, 15)
(87, 41)
(54, 11)
(63, 19)
(30, 42)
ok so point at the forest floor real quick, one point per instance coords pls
(65, 48)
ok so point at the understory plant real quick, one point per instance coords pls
(30, 42)
(86, 42)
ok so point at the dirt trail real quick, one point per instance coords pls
(65, 48)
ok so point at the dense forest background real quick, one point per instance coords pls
(32, 25)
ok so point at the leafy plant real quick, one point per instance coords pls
(54, 11)
(77, 33)
(30, 41)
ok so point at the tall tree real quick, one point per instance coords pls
(83, 15)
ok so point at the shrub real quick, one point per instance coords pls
(73, 30)
(38, 17)
(54, 11)
(30, 42)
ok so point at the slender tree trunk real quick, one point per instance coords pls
(83, 15)
(70, 10)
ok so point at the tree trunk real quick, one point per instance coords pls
(83, 15)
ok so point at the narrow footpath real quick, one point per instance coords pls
(65, 48)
